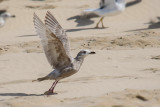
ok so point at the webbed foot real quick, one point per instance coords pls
(49, 92)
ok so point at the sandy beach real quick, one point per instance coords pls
(124, 72)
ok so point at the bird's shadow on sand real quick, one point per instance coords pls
(23, 94)
(19, 94)
(79, 29)
(84, 19)
(132, 3)
(151, 25)
(154, 25)
(81, 21)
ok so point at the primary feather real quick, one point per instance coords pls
(52, 45)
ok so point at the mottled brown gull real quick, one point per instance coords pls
(57, 50)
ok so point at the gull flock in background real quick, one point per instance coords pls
(57, 50)
(4, 15)
(110, 8)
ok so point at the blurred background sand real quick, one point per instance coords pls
(125, 72)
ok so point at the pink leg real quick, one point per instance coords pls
(53, 86)
(50, 91)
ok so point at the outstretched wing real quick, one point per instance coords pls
(52, 46)
(60, 33)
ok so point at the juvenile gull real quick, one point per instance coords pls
(110, 8)
(57, 50)
(4, 15)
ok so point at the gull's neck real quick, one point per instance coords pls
(78, 62)
(79, 58)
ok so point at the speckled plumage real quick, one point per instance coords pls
(57, 50)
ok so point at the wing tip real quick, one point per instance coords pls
(48, 11)
(34, 15)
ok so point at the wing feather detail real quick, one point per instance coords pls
(52, 46)
(60, 33)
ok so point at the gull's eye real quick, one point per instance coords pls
(84, 52)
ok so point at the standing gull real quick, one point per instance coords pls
(57, 50)
(110, 8)
(3, 16)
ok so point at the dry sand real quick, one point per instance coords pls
(125, 72)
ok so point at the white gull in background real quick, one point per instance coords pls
(57, 50)
(4, 15)
(110, 8)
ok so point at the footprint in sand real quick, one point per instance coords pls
(156, 57)
(27, 47)
(154, 70)
(141, 98)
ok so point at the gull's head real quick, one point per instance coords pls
(84, 53)
(120, 1)
(7, 15)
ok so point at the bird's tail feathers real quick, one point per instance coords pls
(41, 79)
(90, 10)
